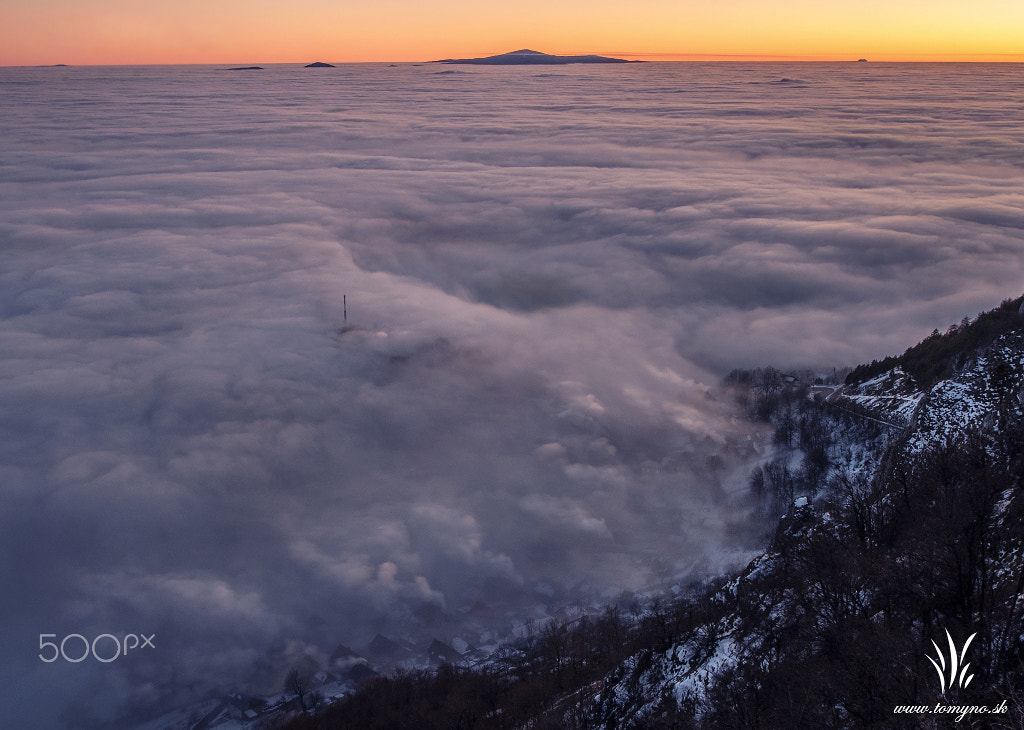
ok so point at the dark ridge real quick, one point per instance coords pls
(246, 68)
(320, 64)
(936, 356)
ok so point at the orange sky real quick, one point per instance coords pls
(275, 31)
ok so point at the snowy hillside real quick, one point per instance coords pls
(832, 601)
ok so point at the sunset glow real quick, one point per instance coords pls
(83, 32)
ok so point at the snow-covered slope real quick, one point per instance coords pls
(814, 584)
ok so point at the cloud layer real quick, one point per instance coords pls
(544, 273)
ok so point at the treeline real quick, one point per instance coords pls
(811, 437)
(937, 356)
(546, 681)
(761, 392)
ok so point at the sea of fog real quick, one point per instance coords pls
(547, 272)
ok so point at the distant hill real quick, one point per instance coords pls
(526, 57)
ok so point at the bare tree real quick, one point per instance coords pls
(299, 686)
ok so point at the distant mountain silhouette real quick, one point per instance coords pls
(320, 64)
(526, 57)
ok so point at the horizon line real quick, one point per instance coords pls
(657, 57)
